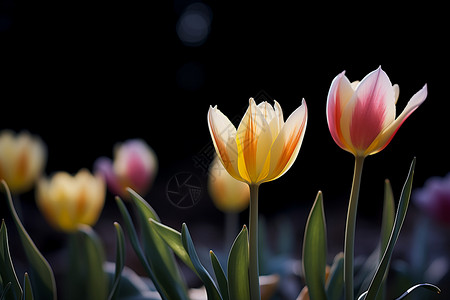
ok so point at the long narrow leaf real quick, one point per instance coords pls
(387, 224)
(92, 256)
(5, 291)
(428, 286)
(7, 272)
(399, 218)
(220, 276)
(27, 290)
(133, 236)
(388, 218)
(158, 254)
(315, 251)
(173, 240)
(335, 283)
(120, 261)
(41, 273)
(210, 286)
(238, 260)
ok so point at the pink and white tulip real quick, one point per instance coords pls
(134, 165)
(362, 115)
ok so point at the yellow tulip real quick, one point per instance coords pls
(67, 201)
(228, 194)
(22, 160)
(263, 147)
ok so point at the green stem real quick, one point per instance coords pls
(350, 229)
(253, 244)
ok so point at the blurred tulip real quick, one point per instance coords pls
(228, 194)
(135, 165)
(263, 147)
(361, 115)
(22, 160)
(434, 198)
(67, 201)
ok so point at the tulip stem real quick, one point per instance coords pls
(253, 244)
(350, 229)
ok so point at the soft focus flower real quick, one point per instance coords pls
(263, 147)
(228, 194)
(361, 115)
(67, 201)
(22, 160)
(434, 198)
(135, 165)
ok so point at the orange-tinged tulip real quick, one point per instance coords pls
(263, 147)
(67, 201)
(228, 194)
(362, 115)
(22, 160)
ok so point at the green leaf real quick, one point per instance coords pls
(220, 276)
(335, 283)
(158, 254)
(28, 292)
(132, 234)
(41, 273)
(7, 272)
(211, 289)
(173, 240)
(87, 278)
(238, 260)
(387, 224)
(315, 251)
(388, 218)
(5, 291)
(379, 276)
(120, 261)
(428, 286)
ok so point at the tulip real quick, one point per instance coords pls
(434, 198)
(361, 115)
(22, 160)
(228, 194)
(261, 149)
(67, 201)
(134, 165)
(362, 120)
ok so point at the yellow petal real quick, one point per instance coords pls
(254, 139)
(223, 134)
(287, 145)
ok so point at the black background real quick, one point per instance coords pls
(87, 74)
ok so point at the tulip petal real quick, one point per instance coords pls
(271, 117)
(254, 140)
(223, 135)
(339, 94)
(279, 113)
(384, 138)
(370, 110)
(287, 145)
(104, 166)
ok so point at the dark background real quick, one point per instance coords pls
(84, 75)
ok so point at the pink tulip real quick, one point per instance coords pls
(134, 165)
(434, 198)
(362, 115)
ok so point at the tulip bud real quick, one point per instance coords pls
(434, 198)
(228, 194)
(135, 165)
